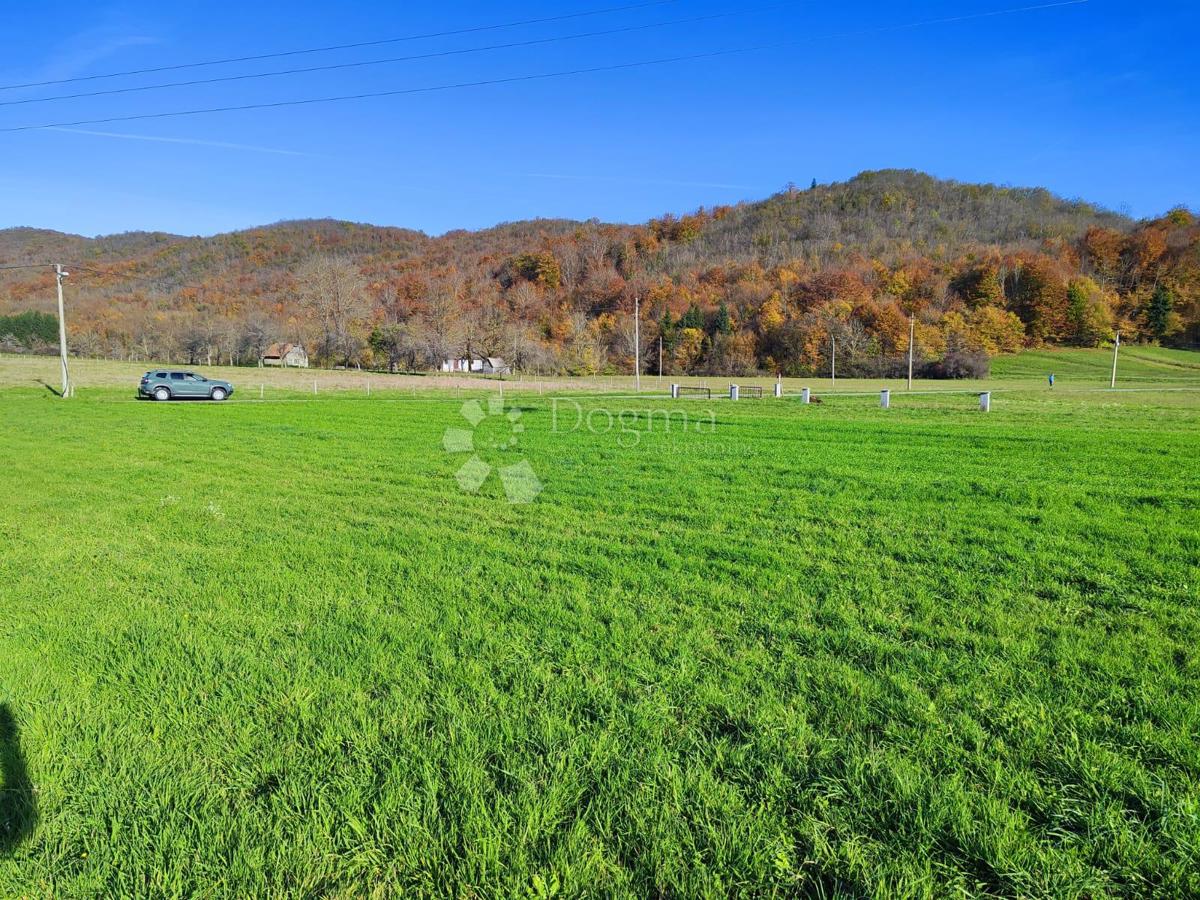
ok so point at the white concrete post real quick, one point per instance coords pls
(733, 392)
(804, 398)
(985, 401)
(778, 389)
(674, 392)
(261, 388)
(885, 398)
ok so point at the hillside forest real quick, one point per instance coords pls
(764, 286)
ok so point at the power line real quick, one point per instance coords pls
(309, 101)
(306, 50)
(395, 59)
(539, 76)
(77, 267)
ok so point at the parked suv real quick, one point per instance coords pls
(164, 384)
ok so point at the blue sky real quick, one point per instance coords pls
(1099, 100)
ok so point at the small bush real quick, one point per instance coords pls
(959, 364)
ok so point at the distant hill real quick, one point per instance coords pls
(762, 285)
(889, 213)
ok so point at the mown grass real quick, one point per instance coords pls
(1135, 363)
(274, 649)
(1074, 369)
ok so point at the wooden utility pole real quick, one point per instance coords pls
(59, 275)
(1116, 347)
(637, 343)
(912, 327)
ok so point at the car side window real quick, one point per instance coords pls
(160, 374)
(177, 376)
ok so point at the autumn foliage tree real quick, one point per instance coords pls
(332, 291)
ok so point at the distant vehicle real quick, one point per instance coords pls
(165, 384)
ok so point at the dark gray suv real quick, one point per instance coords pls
(166, 384)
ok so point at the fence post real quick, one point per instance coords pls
(778, 389)
(885, 398)
(985, 401)
(674, 392)
(314, 387)
(368, 387)
(733, 392)
(804, 395)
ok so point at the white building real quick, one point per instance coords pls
(484, 365)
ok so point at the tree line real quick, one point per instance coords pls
(972, 270)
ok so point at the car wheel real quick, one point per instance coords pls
(219, 394)
(162, 393)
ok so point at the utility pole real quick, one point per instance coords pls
(660, 359)
(637, 343)
(1116, 347)
(912, 327)
(833, 365)
(59, 275)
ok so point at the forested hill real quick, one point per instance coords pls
(757, 286)
(890, 215)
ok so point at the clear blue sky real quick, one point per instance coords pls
(1099, 100)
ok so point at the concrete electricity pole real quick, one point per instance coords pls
(912, 327)
(833, 365)
(637, 343)
(59, 275)
(1116, 346)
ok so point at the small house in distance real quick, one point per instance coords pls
(286, 355)
(484, 365)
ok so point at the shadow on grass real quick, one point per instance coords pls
(18, 810)
(50, 389)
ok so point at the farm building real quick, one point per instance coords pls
(292, 356)
(485, 365)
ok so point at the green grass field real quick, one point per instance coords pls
(1144, 365)
(275, 649)
(1140, 366)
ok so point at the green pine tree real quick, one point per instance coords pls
(1158, 311)
(692, 318)
(724, 323)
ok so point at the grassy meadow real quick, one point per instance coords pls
(1140, 367)
(275, 648)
